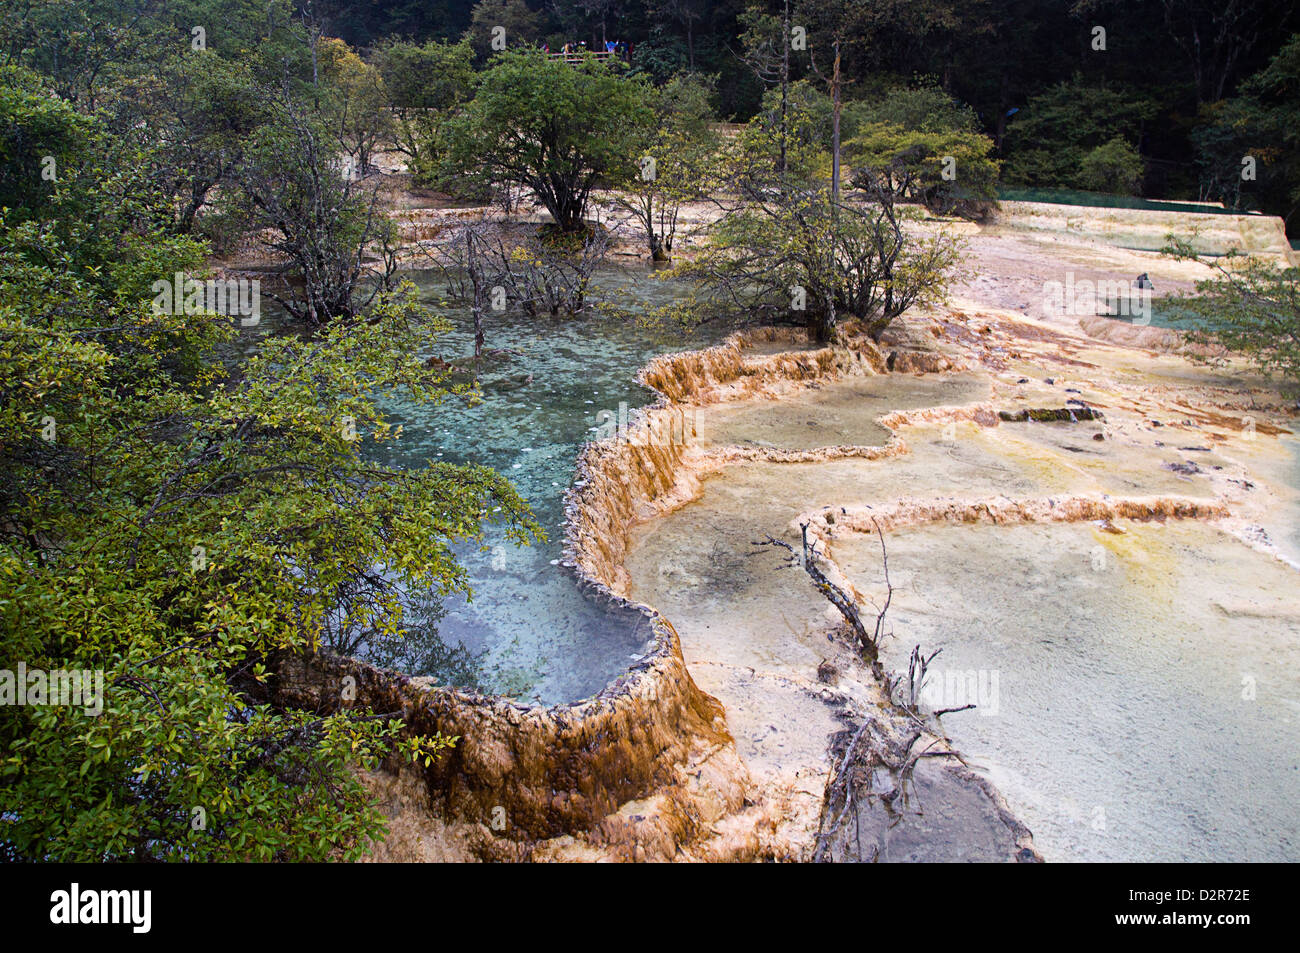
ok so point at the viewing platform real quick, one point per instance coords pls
(583, 54)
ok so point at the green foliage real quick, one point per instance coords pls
(1114, 166)
(192, 118)
(678, 161)
(800, 138)
(90, 48)
(946, 170)
(801, 257)
(426, 85)
(316, 209)
(1262, 123)
(785, 249)
(355, 102)
(1221, 142)
(523, 27)
(553, 128)
(661, 55)
(1251, 306)
(431, 75)
(172, 520)
(1048, 140)
(687, 100)
(921, 108)
(33, 126)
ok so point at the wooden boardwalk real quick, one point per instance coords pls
(579, 57)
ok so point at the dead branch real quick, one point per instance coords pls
(889, 588)
(916, 667)
(948, 711)
(841, 600)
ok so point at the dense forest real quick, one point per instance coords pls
(1162, 98)
(1189, 86)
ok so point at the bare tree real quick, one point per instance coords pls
(542, 279)
(1215, 35)
(685, 12)
(317, 211)
(789, 251)
(767, 52)
(489, 266)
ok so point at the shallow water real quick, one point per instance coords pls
(528, 631)
(1165, 313)
(842, 413)
(1140, 692)
(1104, 200)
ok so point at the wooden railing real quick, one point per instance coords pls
(581, 55)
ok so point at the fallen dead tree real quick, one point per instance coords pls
(875, 804)
(873, 799)
(839, 598)
(898, 792)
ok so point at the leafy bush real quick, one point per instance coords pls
(1049, 137)
(947, 171)
(1251, 306)
(1114, 166)
(553, 128)
(172, 522)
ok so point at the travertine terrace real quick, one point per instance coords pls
(721, 742)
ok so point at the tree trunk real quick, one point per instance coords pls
(785, 76)
(476, 279)
(835, 127)
(1002, 113)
